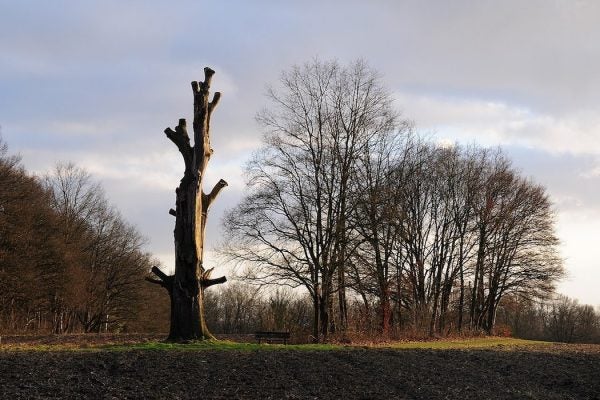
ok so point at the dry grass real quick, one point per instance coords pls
(111, 342)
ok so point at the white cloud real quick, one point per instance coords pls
(579, 232)
(593, 172)
(493, 123)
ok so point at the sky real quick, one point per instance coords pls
(97, 82)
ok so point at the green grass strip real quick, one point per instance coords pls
(223, 345)
(473, 343)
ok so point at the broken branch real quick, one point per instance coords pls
(165, 280)
(214, 192)
(214, 102)
(208, 73)
(180, 138)
(156, 271)
(195, 87)
(209, 282)
(155, 281)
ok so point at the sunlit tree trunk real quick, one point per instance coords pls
(186, 286)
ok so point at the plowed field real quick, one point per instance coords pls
(544, 372)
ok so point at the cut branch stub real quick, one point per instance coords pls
(206, 274)
(214, 102)
(165, 281)
(180, 137)
(156, 281)
(202, 110)
(209, 198)
(208, 74)
(159, 273)
(209, 282)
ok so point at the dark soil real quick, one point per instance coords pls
(555, 372)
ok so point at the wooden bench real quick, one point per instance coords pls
(270, 337)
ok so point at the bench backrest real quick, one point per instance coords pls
(282, 335)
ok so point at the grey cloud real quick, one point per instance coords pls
(565, 175)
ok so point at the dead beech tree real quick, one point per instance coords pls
(186, 286)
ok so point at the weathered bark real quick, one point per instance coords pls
(186, 286)
(477, 292)
(343, 302)
(385, 310)
(316, 308)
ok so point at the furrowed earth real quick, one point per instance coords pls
(139, 368)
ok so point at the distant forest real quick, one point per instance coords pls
(352, 226)
(69, 262)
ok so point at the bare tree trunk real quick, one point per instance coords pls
(399, 294)
(343, 302)
(316, 311)
(331, 313)
(386, 310)
(324, 306)
(461, 301)
(477, 292)
(187, 285)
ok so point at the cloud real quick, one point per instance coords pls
(97, 83)
(533, 53)
(494, 122)
(579, 232)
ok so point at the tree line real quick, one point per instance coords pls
(69, 262)
(345, 201)
(243, 308)
(560, 319)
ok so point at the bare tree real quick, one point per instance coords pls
(104, 264)
(418, 225)
(187, 285)
(377, 194)
(463, 192)
(559, 319)
(516, 242)
(522, 256)
(31, 256)
(452, 215)
(292, 226)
